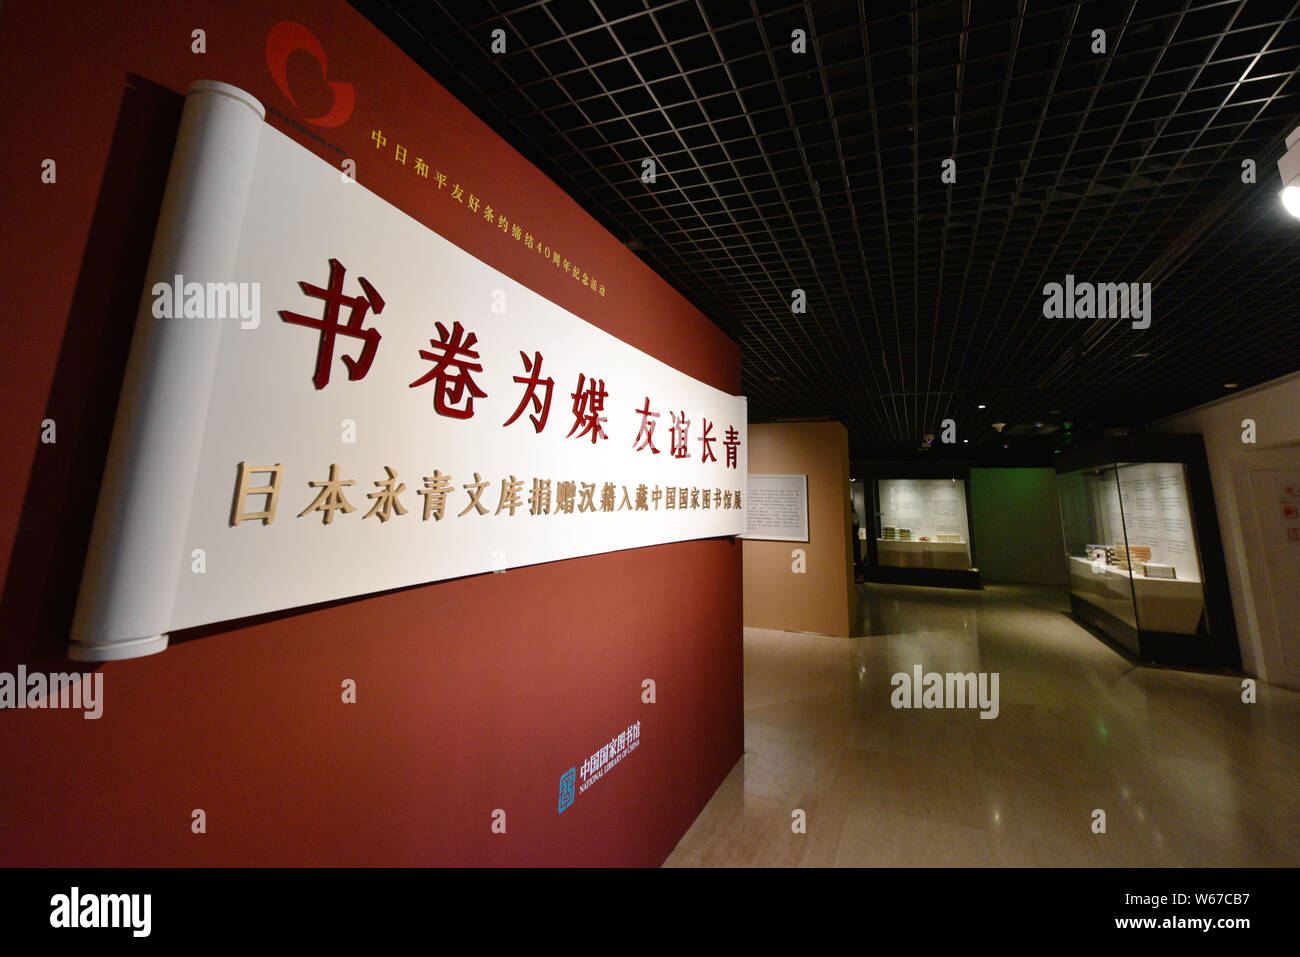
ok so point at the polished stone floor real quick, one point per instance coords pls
(1185, 772)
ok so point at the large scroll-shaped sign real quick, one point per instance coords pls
(325, 399)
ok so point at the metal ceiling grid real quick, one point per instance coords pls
(820, 170)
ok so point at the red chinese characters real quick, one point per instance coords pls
(452, 357)
(457, 368)
(588, 403)
(731, 443)
(707, 441)
(645, 437)
(330, 327)
(680, 426)
(541, 408)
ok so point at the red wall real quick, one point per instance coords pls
(474, 694)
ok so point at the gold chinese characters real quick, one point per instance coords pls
(538, 496)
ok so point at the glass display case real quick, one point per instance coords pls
(922, 529)
(1135, 556)
(923, 523)
(1132, 546)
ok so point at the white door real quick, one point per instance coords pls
(1277, 517)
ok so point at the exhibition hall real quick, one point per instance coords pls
(649, 434)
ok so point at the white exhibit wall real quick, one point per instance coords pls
(1157, 515)
(1274, 409)
(928, 507)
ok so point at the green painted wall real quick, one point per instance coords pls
(1018, 526)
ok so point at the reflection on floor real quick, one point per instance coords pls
(1186, 773)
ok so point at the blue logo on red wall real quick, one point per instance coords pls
(567, 781)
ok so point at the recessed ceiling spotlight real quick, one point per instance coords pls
(982, 406)
(965, 440)
(1230, 385)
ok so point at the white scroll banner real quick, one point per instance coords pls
(224, 378)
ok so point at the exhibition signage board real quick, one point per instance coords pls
(326, 399)
(777, 508)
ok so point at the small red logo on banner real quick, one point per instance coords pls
(284, 40)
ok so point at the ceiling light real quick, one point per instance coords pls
(1291, 200)
(1289, 169)
(1140, 355)
(983, 406)
(1230, 385)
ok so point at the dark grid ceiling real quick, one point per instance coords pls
(821, 171)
